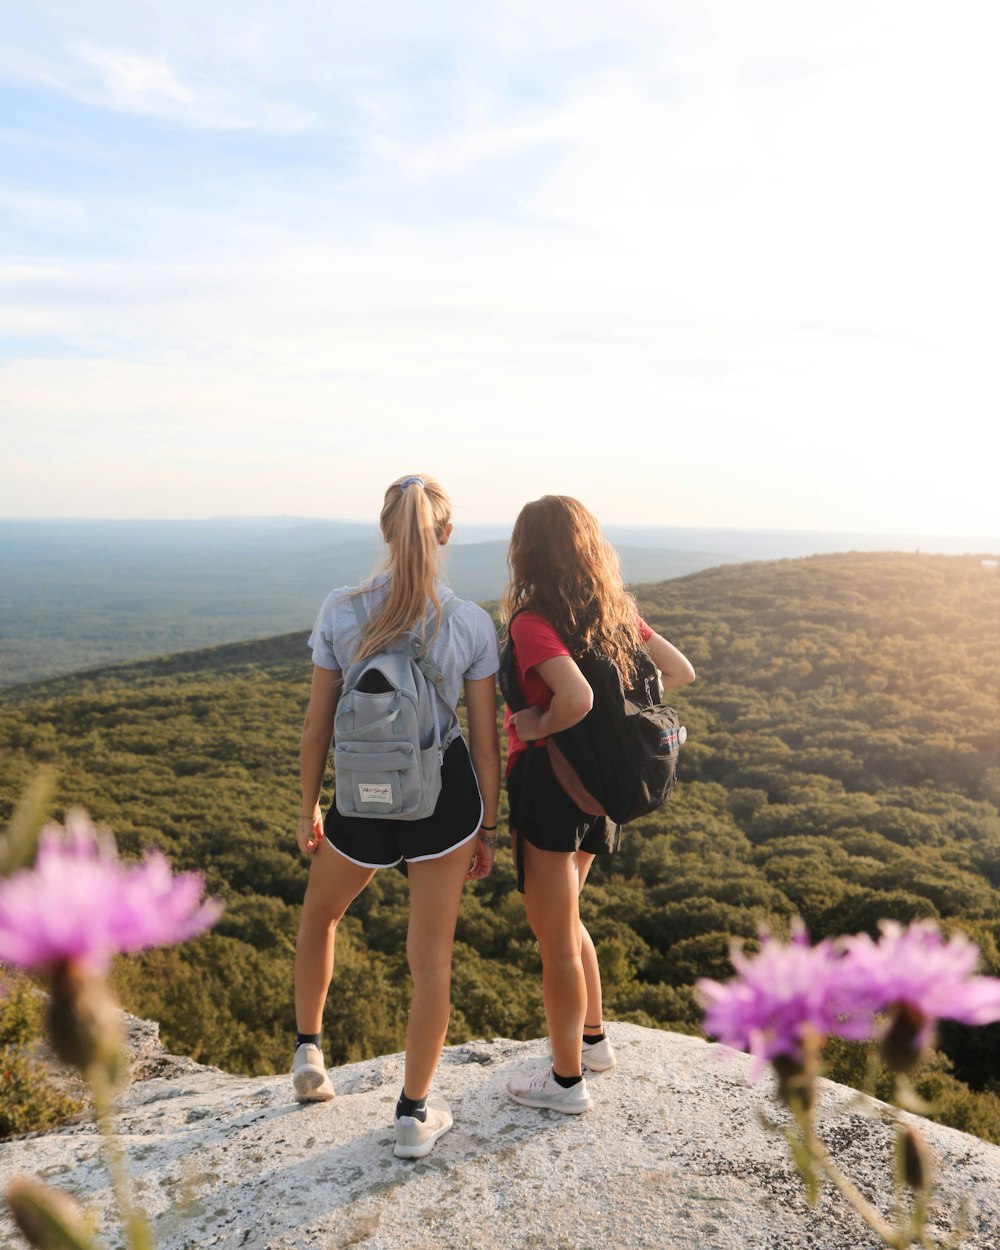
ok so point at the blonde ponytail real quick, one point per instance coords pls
(414, 518)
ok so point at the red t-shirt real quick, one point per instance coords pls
(534, 642)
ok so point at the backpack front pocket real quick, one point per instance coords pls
(378, 780)
(375, 780)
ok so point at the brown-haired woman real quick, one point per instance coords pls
(455, 843)
(565, 596)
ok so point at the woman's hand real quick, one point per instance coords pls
(572, 699)
(314, 751)
(527, 722)
(483, 855)
(310, 831)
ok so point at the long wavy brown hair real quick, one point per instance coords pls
(414, 518)
(562, 567)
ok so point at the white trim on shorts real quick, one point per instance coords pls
(418, 859)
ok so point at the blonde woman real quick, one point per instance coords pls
(565, 596)
(457, 842)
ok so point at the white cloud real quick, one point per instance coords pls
(134, 81)
(189, 86)
(130, 82)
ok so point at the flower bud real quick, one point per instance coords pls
(47, 1218)
(915, 1163)
(796, 1087)
(905, 1040)
(84, 1021)
(797, 1074)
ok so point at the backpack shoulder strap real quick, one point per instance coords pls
(449, 606)
(513, 618)
(417, 652)
(360, 613)
(420, 657)
(362, 617)
(510, 686)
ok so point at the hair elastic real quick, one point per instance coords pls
(411, 481)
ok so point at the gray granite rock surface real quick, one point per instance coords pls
(673, 1155)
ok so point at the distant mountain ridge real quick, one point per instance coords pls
(79, 593)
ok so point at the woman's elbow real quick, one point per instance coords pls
(679, 677)
(315, 735)
(583, 702)
(484, 743)
(485, 758)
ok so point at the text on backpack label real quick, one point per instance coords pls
(368, 793)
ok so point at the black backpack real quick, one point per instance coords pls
(621, 759)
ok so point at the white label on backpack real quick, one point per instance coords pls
(369, 793)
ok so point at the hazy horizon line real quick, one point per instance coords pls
(473, 525)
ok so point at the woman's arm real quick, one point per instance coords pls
(314, 748)
(572, 699)
(481, 707)
(676, 669)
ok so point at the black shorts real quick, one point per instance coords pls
(542, 813)
(380, 843)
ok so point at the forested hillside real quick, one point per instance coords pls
(842, 764)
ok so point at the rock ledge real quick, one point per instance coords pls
(672, 1156)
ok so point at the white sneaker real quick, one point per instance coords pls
(541, 1089)
(415, 1138)
(600, 1057)
(597, 1058)
(309, 1075)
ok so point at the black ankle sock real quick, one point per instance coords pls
(312, 1038)
(593, 1038)
(417, 1107)
(567, 1082)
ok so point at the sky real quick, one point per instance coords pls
(726, 263)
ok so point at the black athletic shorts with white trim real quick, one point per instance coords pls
(542, 813)
(456, 819)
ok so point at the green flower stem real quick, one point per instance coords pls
(137, 1231)
(17, 846)
(893, 1237)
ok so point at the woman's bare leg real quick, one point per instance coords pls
(551, 900)
(435, 894)
(594, 1017)
(334, 883)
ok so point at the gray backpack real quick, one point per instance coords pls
(386, 742)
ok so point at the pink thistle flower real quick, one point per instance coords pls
(781, 995)
(920, 969)
(80, 904)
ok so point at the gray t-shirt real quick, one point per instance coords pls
(466, 645)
